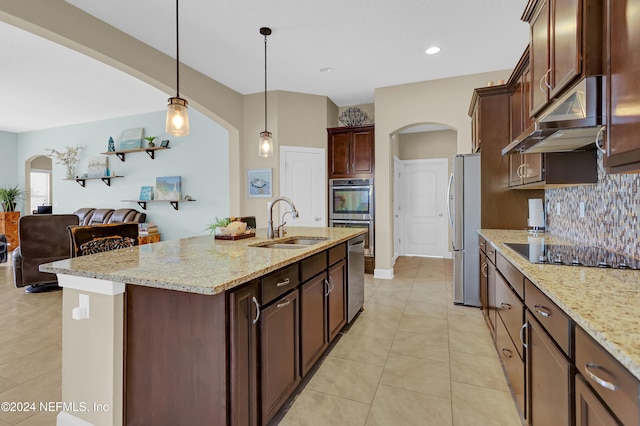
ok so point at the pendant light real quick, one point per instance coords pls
(177, 110)
(265, 144)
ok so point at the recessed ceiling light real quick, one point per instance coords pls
(432, 50)
(326, 69)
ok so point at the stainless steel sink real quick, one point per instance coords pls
(291, 243)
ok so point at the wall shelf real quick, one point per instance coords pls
(143, 203)
(106, 179)
(150, 151)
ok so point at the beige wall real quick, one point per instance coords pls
(295, 119)
(422, 145)
(444, 101)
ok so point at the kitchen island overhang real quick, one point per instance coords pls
(198, 269)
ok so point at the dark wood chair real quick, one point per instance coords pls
(100, 238)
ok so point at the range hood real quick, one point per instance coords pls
(571, 123)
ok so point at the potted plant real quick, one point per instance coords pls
(68, 157)
(10, 197)
(150, 139)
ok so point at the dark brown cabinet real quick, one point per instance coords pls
(622, 82)
(280, 371)
(614, 385)
(590, 411)
(549, 378)
(314, 336)
(244, 311)
(337, 298)
(494, 133)
(351, 151)
(565, 42)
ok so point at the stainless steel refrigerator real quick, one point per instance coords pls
(464, 217)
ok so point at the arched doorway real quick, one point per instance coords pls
(422, 159)
(38, 182)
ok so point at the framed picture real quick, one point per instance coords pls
(260, 183)
(165, 143)
(131, 139)
(169, 188)
(146, 193)
(98, 167)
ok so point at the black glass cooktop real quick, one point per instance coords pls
(574, 256)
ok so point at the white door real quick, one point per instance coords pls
(397, 203)
(423, 209)
(303, 180)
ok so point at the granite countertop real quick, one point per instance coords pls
(602, 301)
(199, 264)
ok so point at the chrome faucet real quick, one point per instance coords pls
(294, 214)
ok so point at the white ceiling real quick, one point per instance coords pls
(367, 43)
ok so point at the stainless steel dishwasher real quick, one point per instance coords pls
(355, 285)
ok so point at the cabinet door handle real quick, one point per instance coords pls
(326, 283)
(506, 352)
(490, 253)
(284, 303)
(546, 80)
(505, 306)
(332, 284)
(540, 84)
(525, 325)
(519, 171)
(255, 302)
(484, 269)
(600, 140)
(604, 383)
(283, 283)
(542, 311)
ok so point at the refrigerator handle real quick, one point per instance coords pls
(449, 199)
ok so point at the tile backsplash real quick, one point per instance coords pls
(612, 207)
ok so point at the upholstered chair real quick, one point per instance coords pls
(42, 239)
(87, 240)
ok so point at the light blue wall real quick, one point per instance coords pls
(202, 159)
(8, 159)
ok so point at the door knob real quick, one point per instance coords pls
(440, 215)
(317, 219)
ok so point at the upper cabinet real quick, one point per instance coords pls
(565, 43)
(623, 86)
(351, 151)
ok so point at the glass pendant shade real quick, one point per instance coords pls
(265, 145)
(177, 117)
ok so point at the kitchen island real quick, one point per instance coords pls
(574, 319)
(197, 330)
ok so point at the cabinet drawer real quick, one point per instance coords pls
(549, 315)
(603, 372)
(277, 283)
(312, 266)
(512, 275)
(482, 244)
(490, 250)
(510, 309)
(513, 364)
(337, 253)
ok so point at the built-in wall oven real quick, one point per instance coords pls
(351, 205)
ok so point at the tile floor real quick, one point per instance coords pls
(411, 358)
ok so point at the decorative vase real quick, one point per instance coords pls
(112, 145)
(71, 171)
(151, 145)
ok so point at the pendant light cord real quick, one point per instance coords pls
(177, 53)
(265, 82)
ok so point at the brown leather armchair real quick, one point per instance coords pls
(43, 239)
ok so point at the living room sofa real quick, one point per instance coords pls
(44, 238)
(93, 216)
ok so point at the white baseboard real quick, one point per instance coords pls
(384, 274)
(66, 419)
